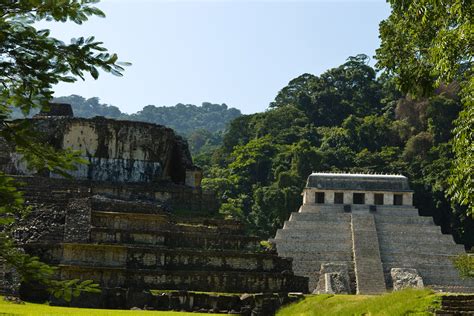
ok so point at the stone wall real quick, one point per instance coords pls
(244, 305)
(207, 281)
(117, 151)
(40, 190)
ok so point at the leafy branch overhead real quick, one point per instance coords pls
(427, 43)
(31, 63)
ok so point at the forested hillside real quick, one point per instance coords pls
(201, 125)
(347, 119)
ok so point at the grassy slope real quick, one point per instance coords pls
(30, 309)
(407, 302)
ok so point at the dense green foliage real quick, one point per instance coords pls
(184, 118)
(31, 62)
(424, 44)
(465, 265)
(91, 107)
(347, 119)
(406, 302)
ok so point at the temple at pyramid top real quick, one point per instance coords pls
(356, 188)
(360, 233)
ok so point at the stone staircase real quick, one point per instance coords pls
(368, 265)
(452, 305)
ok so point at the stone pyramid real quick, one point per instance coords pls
(367, 223)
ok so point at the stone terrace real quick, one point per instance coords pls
(140, 244)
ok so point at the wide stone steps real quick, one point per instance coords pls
(383, 228)
(326, 256)
(130, 221)
(448, 281)
(122, 236)
(285, 246)
(311, 234)
(100, 203)
(289, 236)
(396, 210)
(411, 261)
(215, 281)
(316, 264)
(404, 220)
(337, 225)
(177, 240)
(315, 230)
(445, 278)
(416, 235)
(415, 258)
(410, 239)
(432, 269)
(135, 257)
(105, 205)
(420, 247)
(456, 304)
(326, 208)
(321, 217)
(380, 212)
(152, 223)
(295, 235)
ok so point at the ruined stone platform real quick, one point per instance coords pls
(135, 217)
(142, 244)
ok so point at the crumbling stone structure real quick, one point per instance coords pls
(367, 222)
(116, 151)
(119, 220)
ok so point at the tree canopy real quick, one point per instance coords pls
(265, 158)
(425, 44)
(31, 62)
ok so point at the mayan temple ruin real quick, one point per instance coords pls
(361, 234)
(135, 218)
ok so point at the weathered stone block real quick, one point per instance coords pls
(78, 221)
(403, 278)
(333, 279)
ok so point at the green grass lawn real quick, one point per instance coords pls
(406, 302)
(30, 309)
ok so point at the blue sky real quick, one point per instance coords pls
(236, 52)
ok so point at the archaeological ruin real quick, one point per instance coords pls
(360, 233)
(135, 218)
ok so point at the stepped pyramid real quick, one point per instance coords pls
(367, 222)
(138, 244)
(135, 217)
